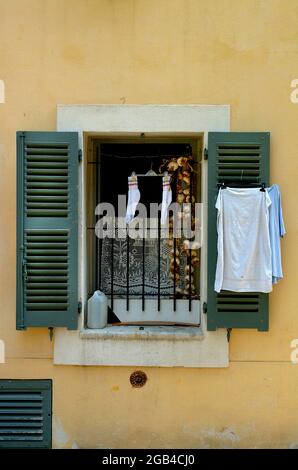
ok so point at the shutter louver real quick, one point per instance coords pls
(238, 163)
(47, 229)
(47, 168)
(25, 413)
(46, 255)
(238, 158)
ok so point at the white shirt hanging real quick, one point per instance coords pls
(243, 244)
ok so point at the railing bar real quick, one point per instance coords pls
(112, 273)
(127, 269)
(99, 266)
(158, 266)
(97, 280)
(175, 265)
(189, 258)
(143, 271)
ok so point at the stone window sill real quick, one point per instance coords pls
(144, 333)
(154, 346)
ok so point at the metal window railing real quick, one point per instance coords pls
(128, 288)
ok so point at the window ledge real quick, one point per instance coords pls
(144, 333)
(155, 346)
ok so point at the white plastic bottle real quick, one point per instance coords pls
(97, 314)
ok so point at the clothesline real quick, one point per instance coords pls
(142, 156)
(142, 175)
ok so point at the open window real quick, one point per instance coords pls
(153, 278)
(47, 229)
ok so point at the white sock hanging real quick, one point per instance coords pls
(133, 198)
(166, 198)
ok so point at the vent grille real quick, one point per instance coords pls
(46, 180)
(237, 303)
(21, 417)
(25, 413)
(46, 270)
(238, 163)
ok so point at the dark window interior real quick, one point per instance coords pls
(110, 166)
(140, 158)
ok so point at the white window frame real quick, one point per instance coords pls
(151, 345)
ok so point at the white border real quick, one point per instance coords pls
(115, 347)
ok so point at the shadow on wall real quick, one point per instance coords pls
(2, 92)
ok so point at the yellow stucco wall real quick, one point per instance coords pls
(238, 52)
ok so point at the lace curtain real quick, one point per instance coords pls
(136, 267)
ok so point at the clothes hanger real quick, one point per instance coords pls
(262, 186)
(151, 172)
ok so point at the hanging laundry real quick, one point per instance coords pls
(166, 198)
(276, 231)
(133, 198)
(244, 253)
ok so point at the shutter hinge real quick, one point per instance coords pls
(25, 272)
(229, 330)
(79, 307)
(51, 333)
(205, 307)
(205, 154)
(80, 155)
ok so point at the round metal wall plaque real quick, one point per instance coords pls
(138, 378)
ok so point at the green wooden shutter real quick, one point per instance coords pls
(25, 414)
(234, 157)
(47, 229)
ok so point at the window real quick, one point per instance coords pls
(47, 267)
(51, 213)
(144, 278)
